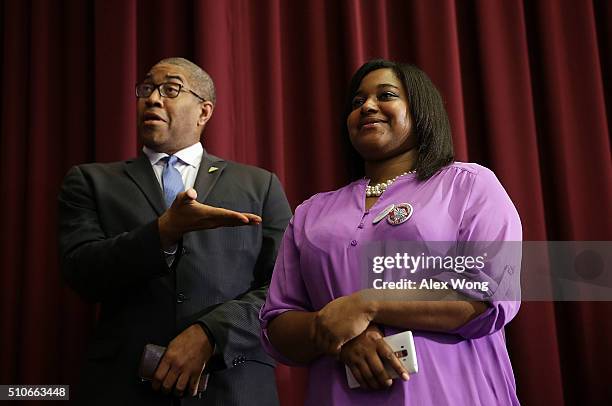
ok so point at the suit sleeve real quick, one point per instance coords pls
(95, 265)
(234, 325)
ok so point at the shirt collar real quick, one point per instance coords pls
(191, 155)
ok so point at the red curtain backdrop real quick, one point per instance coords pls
(527, 86)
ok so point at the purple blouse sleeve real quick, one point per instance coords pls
(287, 289)
(491, 224)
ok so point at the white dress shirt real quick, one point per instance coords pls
(188, 163)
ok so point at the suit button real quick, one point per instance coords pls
(180, 298)
(184, 251)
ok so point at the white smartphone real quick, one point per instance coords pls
(403, 345)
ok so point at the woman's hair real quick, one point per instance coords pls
(430, 120)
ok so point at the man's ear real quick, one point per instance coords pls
(206, 110)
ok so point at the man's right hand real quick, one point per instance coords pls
(187, 214)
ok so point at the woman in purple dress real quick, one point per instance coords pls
(324, 308)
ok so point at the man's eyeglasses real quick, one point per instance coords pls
(167, 89)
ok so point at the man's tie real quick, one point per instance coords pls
(172, 180)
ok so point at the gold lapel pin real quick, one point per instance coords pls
(212, 169)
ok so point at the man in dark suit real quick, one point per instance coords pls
(178, 246)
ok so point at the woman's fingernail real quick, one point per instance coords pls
(389, 382)
(405, 376)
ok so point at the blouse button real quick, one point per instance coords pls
(360, 225)
(354, 242)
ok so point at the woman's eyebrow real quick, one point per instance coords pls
(387, 85)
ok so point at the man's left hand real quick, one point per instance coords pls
(183, 362)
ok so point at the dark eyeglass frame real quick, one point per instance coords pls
(162, 91)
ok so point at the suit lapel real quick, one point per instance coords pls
(210, 170)
(142, 174)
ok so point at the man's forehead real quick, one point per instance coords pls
(167, 71)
